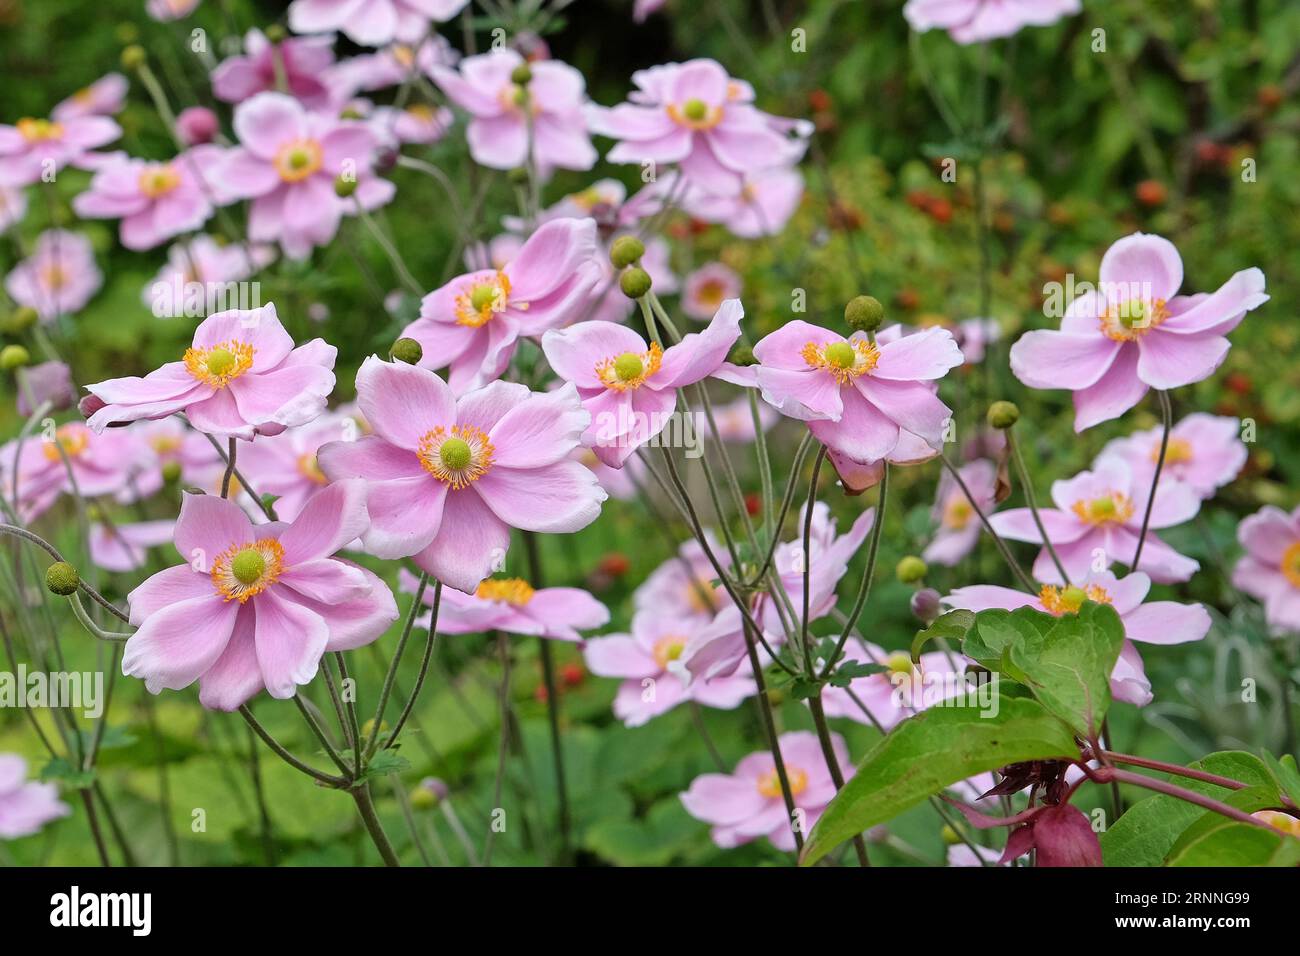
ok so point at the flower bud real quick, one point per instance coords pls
(625, 251)
(21, 319)
(864, 313)
(344, 186)
(741, 354)
(275, 33)
(406, 350)
(62, 578)
(635, 282)
(13, 356)
(1003, 415)
(133, 57)
(171, 472)
(926, 606)
(196, 125)
(521, 75)
(949, 835)
(911, 569)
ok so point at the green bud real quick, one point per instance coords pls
(21, 319)
(133, 57)
(521, 75)
(406, 350)
(62, 578)
(864, 313)
(626, 251)
(950, 836)
(275, 33)
(344, 186)
(911, 569)
(1003, 414)
(635, 282)
(741, 354)
(171, 472)
(13, 356)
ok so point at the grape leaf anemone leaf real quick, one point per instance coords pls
(931, 751)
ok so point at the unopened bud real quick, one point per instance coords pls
(635, 282)
(62, 578)
(1003, 415)
(406, 350)
(864, 313)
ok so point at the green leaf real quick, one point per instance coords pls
(385, 762)
(994, 633)
(953, 626)
(1284, 774)
(933, 750)
(60, 769)
(1147, 831)
(1218, 841)
(1068, 667)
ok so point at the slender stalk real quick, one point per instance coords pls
(314, 723)
(391, 676)
(769, 729)
(552, 701)
(1167, 414)
(1107, 774)
(79, 612)
(807, 559)
(864, 588)
(1025, 580)
(243, 483)
(1031, 499)
(833, 765)
(366, 806)
(424, 668)
(284, 754)
(787, 500)
(92, 817)
(231, 452)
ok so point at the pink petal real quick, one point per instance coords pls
(207, 526)
(235, 678)
(470, 545)
(540, 431)
(290, 640)
(334, 516)
(178, 643)
(403, 402)
(559, 498)
(1141, 266)
(1047, 359)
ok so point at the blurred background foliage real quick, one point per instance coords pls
(1186, 125)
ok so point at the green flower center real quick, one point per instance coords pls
(247, 566)
(482, 296)
(1074, 596)
(695, 109)
(841, 354)
(455, 454)
(299, 158)
(220, 361)
(628, 366)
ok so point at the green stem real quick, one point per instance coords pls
(1167, 417)
(1031, 499)
(366, 807)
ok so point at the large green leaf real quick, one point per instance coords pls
(1217, 841)
(1068, 666)
(933, 750)
(1144, 835)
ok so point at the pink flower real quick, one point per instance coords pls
(390, 66)
(34, 148)
(13, 206)
(450, 477)
(58, 278)
(257, 606)
(861, 399)
(651, 685)
(735, 420)
(1152, 622)
(974, 336)
(1270, 569)
(285, 465)
(417, 123)
(959, 526)
(125, 547)
(287, 163)
(155, 201)
(629, 387)
(971, 21)
(105, 97)
(25, 807)
(166, 10)
(1205, 453)
(513, 606)
(47, 382)
(196, 125)
(696, 116)
(683, 589)
(372, 22)
(301, 61)
(898, 692)
(766, 201)
(241, 376)
(33, 470)
(707, 288)
(1098, 516)
(168, 445)
(1135, 332)
(198, 273)
(500, 110)
(473, 323)
(748, 803)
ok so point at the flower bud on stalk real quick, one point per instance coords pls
(13, 356)
(864, 313)
(626, 251)
(635, 282)
(1002, 415)
(911, 569)
(406, 350)
(62, 578)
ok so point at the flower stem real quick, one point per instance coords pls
(833, 765)
(424, 668)
(769, 729)
(1031, 499)
(391, 676)
(1025, 581)
(283, 754)
(366, 806)
(1107, 774)
(864, 588)
(1167, 414)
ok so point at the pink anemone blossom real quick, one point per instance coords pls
(197, 277)
(1098, 518)
(155, 201)
(748, 803)
(1205, 453)
(972, 21)
(474, 322)
(1269, 571)
(296, 65)
(766, 201)
(695, 116)
(46, 382)
(1150, 622)
(125, 547)
(35, 148)
(58, 278)
(449, 477)
(1134, 331)
(256, 606)
(683, 588)
(241, 376)
(285, 465)
(959, 525)
(502, 111)
(164, 448)
(372, 22)
(13, 206)
(629, 387)
(105, 97)
(287, 163)
(866, 401)
(33, 472)
(645, 658)
(25, 806)
(707, 288)
(513, 606)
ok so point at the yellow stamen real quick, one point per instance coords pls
(1179, 451)
(695, 114)
(957, 513)
(1114, 508)
(1060, 601)
(39, 130)
(612, 371)
(309, 468)
(159, 180)
(1133, 319)
(245, 570)
(835, 357)
(668, 649)
(476, 305)
(515, 591)
(1291, 564)
(221, 364)
(468, 454)
(71, 438)
(297, 160)
(769, 785)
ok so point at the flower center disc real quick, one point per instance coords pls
(458, 457)
(845, 360)
(221, 364)
(630, 370)
(476, 306)
(514, 591)
(1133, 319)
(769, 785)
(159, 180)
(299, 159)
(1291, 564)
(245, 570)
(1115, 508)
(695, 114)
(668, 649)
(39, 130)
